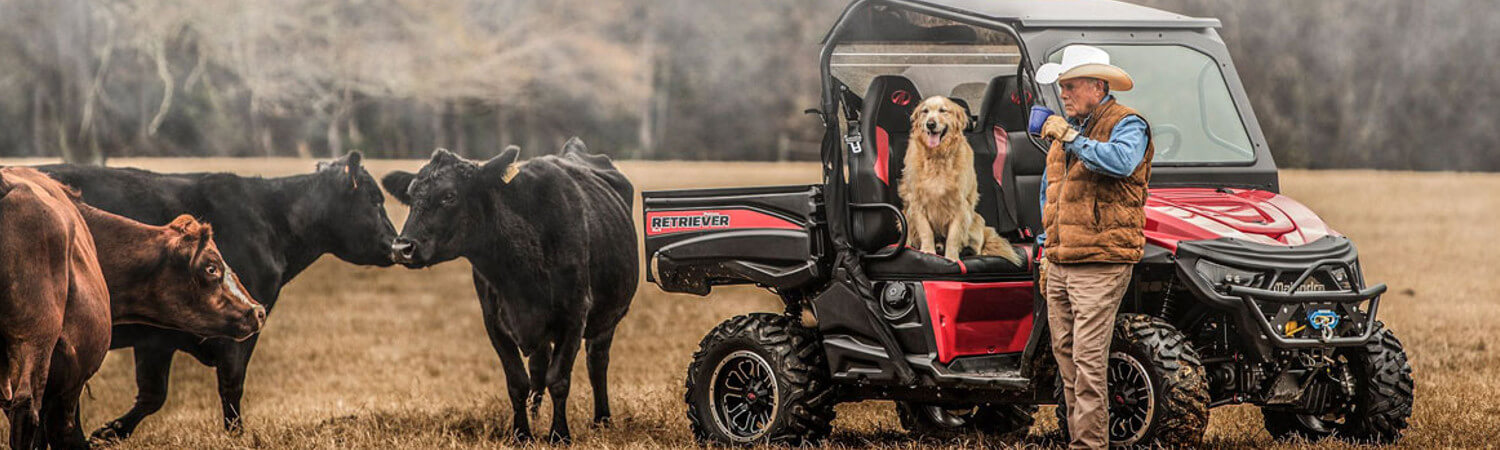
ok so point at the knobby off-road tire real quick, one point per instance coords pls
(748, 359)
(1382, 403)
(1176, 404)
(1003, 421)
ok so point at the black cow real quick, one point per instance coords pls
(268, 230)
(554, 255)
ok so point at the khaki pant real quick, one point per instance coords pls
(1081, 304)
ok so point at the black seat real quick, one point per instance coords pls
(874, 172)
(1005, 112)
(1007, 109)
(914, 265)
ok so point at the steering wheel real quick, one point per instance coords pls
(1166, 130)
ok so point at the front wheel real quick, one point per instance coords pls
(1157, 392)
(760, 379)
(1376, 413)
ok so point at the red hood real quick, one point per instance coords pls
(1188, 214)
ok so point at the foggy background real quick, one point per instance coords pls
(1390, 84)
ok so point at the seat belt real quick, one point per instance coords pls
(852, 106)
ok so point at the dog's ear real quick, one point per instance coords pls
(963, 116)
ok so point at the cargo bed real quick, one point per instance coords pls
(700, 238)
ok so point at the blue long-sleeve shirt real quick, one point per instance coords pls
(1117, 158)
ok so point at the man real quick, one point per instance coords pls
(1093, 199)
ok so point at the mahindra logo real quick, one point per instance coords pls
(901, 97)
(1307, 286)
(692, 221)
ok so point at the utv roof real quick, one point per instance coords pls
(1072, 13)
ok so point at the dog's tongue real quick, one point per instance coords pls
(933, 140)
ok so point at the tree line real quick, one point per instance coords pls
(1387, 84)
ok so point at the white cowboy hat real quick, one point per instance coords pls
(1082, 61)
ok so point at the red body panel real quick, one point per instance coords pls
(1002, 149)
(667, 222)
(1187, 214)
(970, 319)
(882, 155)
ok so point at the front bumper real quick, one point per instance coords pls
(1274, 317)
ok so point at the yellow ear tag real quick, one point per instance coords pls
(510, 172)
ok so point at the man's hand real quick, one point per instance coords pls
(1057, 128)
(1041, 275)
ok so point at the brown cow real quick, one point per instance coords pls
(67, 272)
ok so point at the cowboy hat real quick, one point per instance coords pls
(1082, 61)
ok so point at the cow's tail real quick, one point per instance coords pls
(575, 150)
(994, 245)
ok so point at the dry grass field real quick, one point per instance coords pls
(395, 358)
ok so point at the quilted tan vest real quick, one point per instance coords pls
(1092, 217)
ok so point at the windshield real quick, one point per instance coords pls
(938, 56)
(1185, 100)
(959, 71)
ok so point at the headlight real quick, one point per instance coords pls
(1219, 274)
(1340, 277)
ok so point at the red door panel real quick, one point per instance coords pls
(971, 319)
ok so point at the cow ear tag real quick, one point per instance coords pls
(507, 160)
(352, 178)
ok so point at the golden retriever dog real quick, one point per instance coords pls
(939, 187)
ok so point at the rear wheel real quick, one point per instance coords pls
(1005, 421)
(1378, 410)
(1157, 392)
(757, 379)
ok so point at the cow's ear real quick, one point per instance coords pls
(353, 159)
(193, 235)
(396, 183)
(503, 166)
(347, 168)
(353, 168)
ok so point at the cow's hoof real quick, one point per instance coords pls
(234, 427)
(522, 436)
(602, 422)
(111, 432)
(560, 437)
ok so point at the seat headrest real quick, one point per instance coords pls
(890, 101)
(973, 119)
(1007, 104)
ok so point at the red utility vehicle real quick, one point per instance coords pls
(1243, 296)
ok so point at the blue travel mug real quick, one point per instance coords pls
(1039, 115)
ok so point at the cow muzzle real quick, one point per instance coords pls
(404, 251)
(251, 323)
